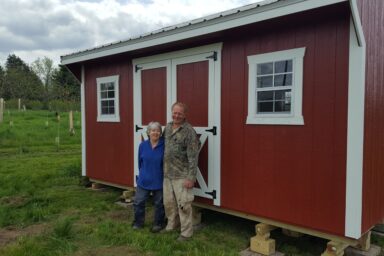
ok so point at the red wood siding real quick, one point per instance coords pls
(109, 146)
(372, 15)
(192, 89)
(154, 95)
(294, 174)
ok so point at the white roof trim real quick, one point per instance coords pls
(243, 16)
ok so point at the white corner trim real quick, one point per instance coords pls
(83, 124)
(355, 137)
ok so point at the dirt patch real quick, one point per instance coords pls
(10, 234)
(110, 251)
(122, 215)
(13, 201)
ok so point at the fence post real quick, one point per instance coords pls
(71, 129)
(1, 109)
(19, 104)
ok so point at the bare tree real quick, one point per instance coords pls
(44, 69)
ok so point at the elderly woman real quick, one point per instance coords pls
(150, 178)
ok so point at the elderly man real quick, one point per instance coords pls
(180, 167)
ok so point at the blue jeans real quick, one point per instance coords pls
(141, 197)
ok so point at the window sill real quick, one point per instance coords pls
(299, 120)
(111, 119)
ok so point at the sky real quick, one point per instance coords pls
(33, 29)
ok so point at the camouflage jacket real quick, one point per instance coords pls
(181, 152)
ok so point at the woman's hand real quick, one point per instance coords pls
(188, 183)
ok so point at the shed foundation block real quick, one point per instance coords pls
(128, 195)
(334, 249)
(262, 243)
(97, 186)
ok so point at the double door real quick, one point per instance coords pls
(192, 77)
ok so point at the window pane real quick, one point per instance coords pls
(103, 87)
(111, 94)
(111, 86)
(264, 107)
(283, 66)
(265, 68)
(265, 96)
(264, 81)
(111, 110)
(104, 104)
(282, 106)
(104, 95)
(104, 110)
(283, 80)
(111, 103)
(283, 95)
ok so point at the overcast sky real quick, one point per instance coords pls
(38, 28)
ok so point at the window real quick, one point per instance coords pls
(275, 87)
(108, 99)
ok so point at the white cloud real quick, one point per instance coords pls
(32, 29)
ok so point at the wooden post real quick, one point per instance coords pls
(1, 110)
(71, 129)
(57, 139)
(19, 104)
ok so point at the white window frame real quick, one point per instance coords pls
(295, 116)
(108, 117)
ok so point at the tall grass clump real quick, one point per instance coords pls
(63, 229)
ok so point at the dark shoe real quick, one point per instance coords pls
(136, 227)
(156, 229)
(182, 238)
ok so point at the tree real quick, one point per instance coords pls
(65, 85)
(43, 68)
(21, 81)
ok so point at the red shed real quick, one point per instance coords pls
(286, 95)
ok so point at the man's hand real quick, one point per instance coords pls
(189, 183)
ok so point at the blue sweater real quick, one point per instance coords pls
(151, 165)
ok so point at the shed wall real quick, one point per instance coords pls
(372, 15)
(110, 145)
(294, 174)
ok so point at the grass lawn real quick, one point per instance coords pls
(46, 210)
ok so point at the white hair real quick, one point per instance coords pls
(154, 125)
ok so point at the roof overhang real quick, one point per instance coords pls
(211, 24)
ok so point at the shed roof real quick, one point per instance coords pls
(233, 18)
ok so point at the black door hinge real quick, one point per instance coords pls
(138, 128)
(137, 68)
(213, 130)
(213, 56)
(212, 194)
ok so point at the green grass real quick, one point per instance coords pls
(43, 201)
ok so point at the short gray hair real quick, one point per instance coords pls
(154, 125)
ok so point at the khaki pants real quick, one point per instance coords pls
(178, 206)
